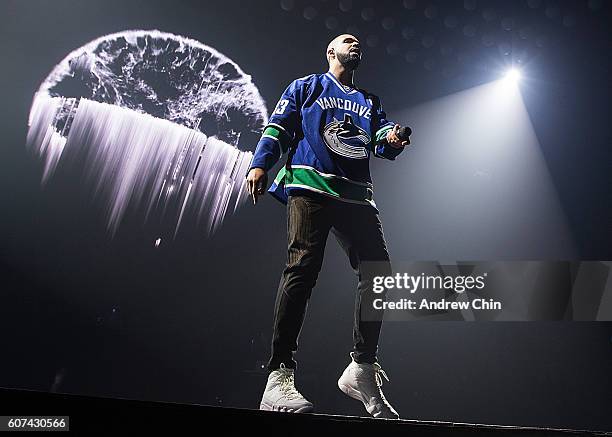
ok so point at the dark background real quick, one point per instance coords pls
(191, 320)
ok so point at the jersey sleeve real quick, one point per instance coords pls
(382, 126)
(280, 131)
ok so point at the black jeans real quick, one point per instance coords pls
(359, 232)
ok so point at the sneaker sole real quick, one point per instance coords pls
(355, 394)
(267, 407)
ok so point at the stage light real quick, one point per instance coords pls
(508, 84)
(512, 76)
(493, 172)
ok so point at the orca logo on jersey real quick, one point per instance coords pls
(346, 138)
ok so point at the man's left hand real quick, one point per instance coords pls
(394, 140)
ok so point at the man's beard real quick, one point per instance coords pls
(348, 60)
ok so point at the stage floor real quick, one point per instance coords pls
(112, 416)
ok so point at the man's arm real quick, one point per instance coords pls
(387, 144)
(275, 140)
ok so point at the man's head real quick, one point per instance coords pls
(345, 50)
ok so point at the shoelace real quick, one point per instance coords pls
(377, 372)
(287, 385)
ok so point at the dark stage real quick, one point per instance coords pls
(96, 415)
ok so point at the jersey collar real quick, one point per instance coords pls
(345, 89)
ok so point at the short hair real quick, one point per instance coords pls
(332, 44)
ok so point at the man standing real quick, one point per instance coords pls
(328, 128)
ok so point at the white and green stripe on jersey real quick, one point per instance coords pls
(382, 132)
(338, 187)
(277, 133)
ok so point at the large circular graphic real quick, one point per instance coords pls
(155, 121)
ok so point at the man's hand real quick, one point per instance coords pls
(256, 181)
(394, 140)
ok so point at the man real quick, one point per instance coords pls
(328, 128)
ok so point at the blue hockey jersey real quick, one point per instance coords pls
(328, 131)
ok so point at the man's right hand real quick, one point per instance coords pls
(256, 181)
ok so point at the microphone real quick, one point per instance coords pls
(404, 133)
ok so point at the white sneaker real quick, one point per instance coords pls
(281, 395)
(363, 382)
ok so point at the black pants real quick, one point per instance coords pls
(359, 232)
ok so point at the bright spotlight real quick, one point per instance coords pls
(508, 85)
(513, 76)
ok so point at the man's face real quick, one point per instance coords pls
(348, 51)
